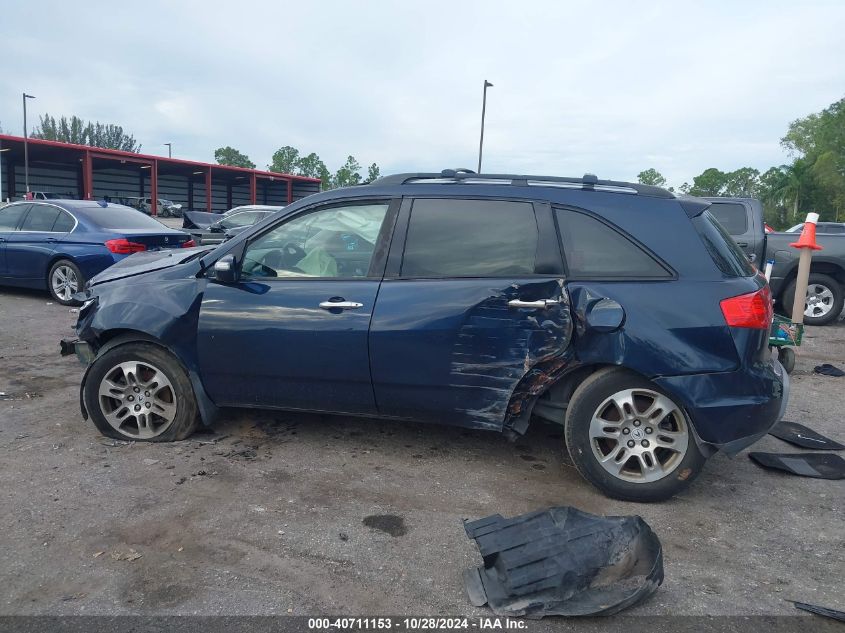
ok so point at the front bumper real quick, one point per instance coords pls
(83, 351)
(732, 410)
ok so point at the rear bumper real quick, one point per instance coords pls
(732, 410)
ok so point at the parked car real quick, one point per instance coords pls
(45, 195)
(828, 228)
(165, 208)
(211, 228)
(742, 218)
(616, 310)
(58, 245)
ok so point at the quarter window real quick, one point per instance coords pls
(470, 238)
(595, 249)
(64, 223)
(40, 218)
(337, 242)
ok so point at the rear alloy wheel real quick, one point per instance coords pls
(629, 439)
(140, 392)
(824, 299)
(64, 280)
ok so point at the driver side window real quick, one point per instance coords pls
(336, 242)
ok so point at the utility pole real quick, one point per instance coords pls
(487, 84)
(169, 148)
(25, 143)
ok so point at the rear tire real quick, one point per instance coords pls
(63, 281)
(141, 392)
(827, 295)
(629, 439)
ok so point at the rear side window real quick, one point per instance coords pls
(470, 238)
(40, 218)
(727, 256)
(595, 249)
(732, 216)
(10, 217)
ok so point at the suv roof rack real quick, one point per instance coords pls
(588, 182)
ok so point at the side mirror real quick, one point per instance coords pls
(217, 227)
(225, 270)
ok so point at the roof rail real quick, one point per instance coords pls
(588, 182)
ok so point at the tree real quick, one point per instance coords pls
(373, 172)
(711, 182)
(75, 130)
(742, 183)
(348, 174)
(651, 177)
(311, 166)
(785, 188)
(232, 157)
(285, 160)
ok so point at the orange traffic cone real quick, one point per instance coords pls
(808, 234)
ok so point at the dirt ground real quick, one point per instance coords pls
(272, 513)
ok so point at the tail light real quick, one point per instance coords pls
(753, 310)
(189, 244)
(123, 246)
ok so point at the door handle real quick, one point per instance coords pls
(51, 239)
(342, 305)
(540, 304)
(742, 244)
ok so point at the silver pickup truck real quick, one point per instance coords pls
(743, 219)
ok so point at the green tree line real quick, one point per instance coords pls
(813, 181)
(75, 130)
(289, 160)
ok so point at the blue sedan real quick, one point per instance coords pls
(60, 244)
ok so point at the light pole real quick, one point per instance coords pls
(169, 148)
(487, 84)
(25, 143)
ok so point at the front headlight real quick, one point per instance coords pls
(87, 304)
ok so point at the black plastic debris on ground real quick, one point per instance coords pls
(562, 561)
(800, 435)
(826, 369)
(818, 465)
(824, 611)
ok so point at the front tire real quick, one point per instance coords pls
(824, 299)
(629, 439)
(139, 391)
(63, 281)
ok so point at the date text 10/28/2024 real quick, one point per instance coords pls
(416, 624)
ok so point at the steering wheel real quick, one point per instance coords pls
(292, 254)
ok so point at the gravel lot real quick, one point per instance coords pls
(271, 513)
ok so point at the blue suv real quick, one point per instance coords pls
(619, 311)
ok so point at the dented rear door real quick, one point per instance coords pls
(473, 303)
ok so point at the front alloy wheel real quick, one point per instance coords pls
(139, 391)
(137, 400)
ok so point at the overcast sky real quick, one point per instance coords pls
(610, 88)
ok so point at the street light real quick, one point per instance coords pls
(25, 143)
(169, 148)
(487, 84)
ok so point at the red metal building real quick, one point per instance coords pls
(83, 172)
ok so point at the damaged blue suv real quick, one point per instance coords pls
(619, 311)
